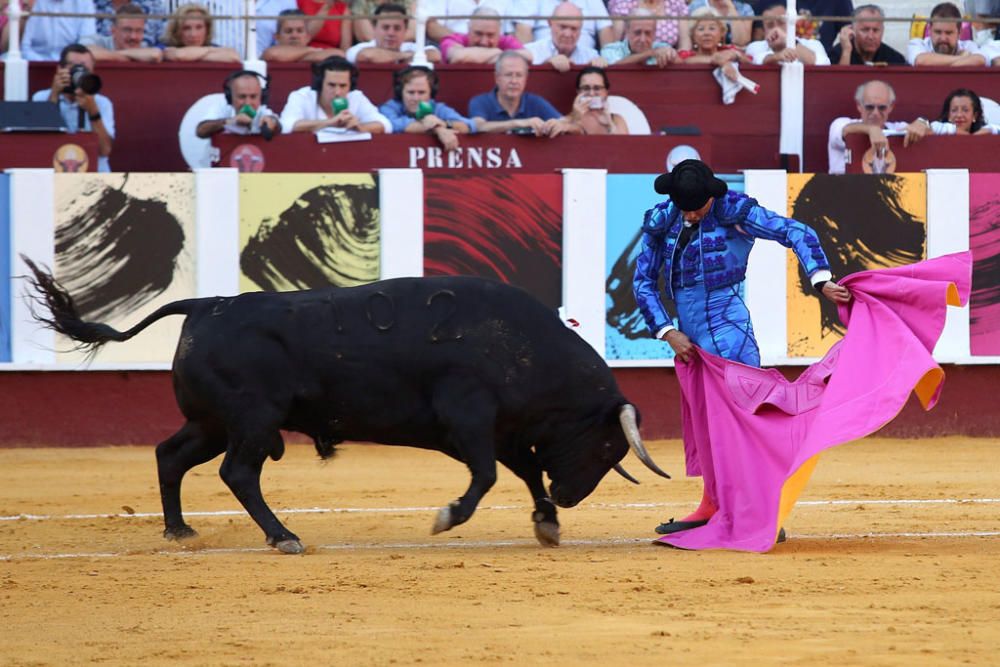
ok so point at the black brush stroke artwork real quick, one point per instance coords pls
(863, 224)
(623, 313)
(329, 236)
(119, 254)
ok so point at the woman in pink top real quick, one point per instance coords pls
(669, 31)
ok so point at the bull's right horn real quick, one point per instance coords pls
(627, 418)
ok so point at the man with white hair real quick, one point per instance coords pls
(639, 45)
(594, 32)
(563, 48)
(483, 43)
(875, 101)
(860, 43)
(443, 25)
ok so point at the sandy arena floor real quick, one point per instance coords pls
(892, 559)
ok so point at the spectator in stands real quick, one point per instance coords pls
(943, 47)
(325, 34)
(413, 109)
(332, 100)
(737, 32)
(639, 45)
(244, 109)
(590, 107)
(774, 48)
(707, 48)
(668, 31)
(875, 101)
(388, 45)
(293, 41)
(189, 37)
(860, 43)
(483, 43)
(824, 31)
(962, 113)
(81, 110)
(44, 37)
(508, 108)
(595, 33)
(439, 28)
(267, 29)
(364, 29)
(562, 49)
(126, 41)
(153, 28)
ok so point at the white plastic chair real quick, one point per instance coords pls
(635, 119)
(197, 152)
(991, 111)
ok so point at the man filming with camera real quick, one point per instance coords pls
(74, 89)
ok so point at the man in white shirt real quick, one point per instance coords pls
(438, 29)
(595, 33)
(244, 109)
(943, 48)
(562, 49)
(875, 100)
(774, 47)
(332, 101)
(45, 36)
(79, 104)
(388, 45)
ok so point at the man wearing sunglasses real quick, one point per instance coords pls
(875, 100)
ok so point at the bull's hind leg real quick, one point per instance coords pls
(241, 472)
(524, 464)
(190, 446)
(468, 413)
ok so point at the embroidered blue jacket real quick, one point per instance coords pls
(717, 253)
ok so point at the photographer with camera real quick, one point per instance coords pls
(590, 107)
(244, 109)
(74, 89)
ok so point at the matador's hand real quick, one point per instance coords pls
(836, 293)
(681, 344)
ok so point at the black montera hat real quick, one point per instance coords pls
(690, 185)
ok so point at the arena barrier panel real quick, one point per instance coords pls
(126, 243)
(5, 280)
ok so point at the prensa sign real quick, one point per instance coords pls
(464, 157)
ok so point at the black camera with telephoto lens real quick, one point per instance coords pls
(82, 78)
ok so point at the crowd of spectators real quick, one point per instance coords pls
(326, 34)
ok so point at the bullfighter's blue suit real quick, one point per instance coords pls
(704, 277)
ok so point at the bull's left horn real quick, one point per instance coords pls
(624, 473)
(627, 418)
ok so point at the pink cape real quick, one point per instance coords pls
(755, 437)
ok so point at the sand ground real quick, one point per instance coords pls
(892, 559)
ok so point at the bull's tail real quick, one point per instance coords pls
(65, 319)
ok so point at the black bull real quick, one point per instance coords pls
(476, 369)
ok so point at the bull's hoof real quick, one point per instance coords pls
(289, 547)
(181, 533)
(547, 533)
(443, 521)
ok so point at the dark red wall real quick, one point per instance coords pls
(91, 408)
(150, 101)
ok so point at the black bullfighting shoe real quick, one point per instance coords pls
(781, 536)
(677, 526)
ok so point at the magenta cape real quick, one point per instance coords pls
(755, 436)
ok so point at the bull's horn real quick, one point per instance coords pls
(624, 473)
(627, 418)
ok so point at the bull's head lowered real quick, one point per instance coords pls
(574, 478)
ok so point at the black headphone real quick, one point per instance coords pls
(397, 80)
(336, 64)
(265, 85)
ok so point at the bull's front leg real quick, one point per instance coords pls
(468, 414)
(523, 463)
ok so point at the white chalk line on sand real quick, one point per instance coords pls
(393, 510)
(466, 544)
